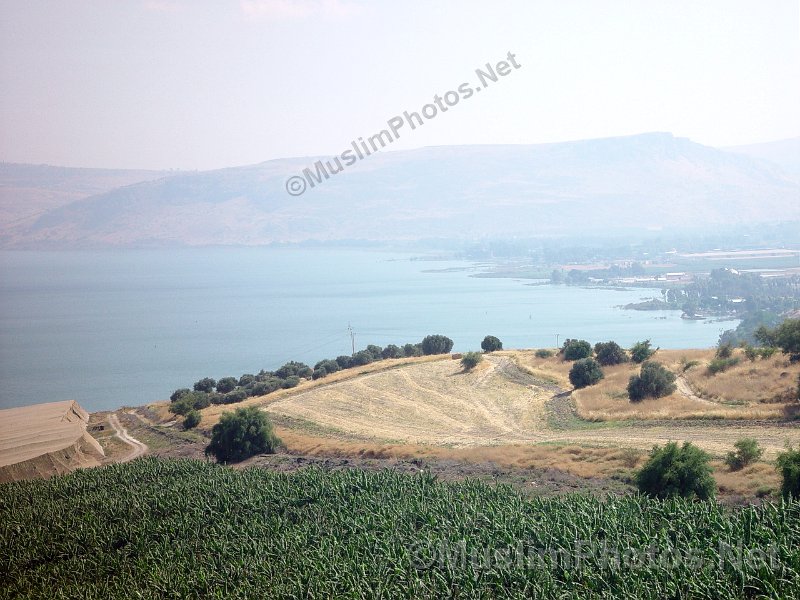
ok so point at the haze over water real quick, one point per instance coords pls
(128, 327)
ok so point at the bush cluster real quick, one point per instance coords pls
(230, 390)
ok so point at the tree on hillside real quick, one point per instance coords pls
(247, 379)
(576, 349)
(609, 353)
(785, 336)
(410, 350)
(191, 420)
(653, 381)
(226, 384)
(490, 343)
(205, 385)
(470, 360)
(362, 357)
(242, 434)
(178, 393)
(376, 351)
(641, 351)
(327, 365)
(436, 344)
(677, 471)
(584, 372)
(344, 361)
(392, 351)
(293, 368)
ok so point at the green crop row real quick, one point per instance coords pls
(189, 529)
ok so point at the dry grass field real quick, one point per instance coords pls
(519, 411)
(512, 399)
(746, 391)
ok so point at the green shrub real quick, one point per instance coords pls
(294, 369)
(362, 357)
(375, 351)
(247, 379)
(176, 395)
(789, 466)
(718, 365)
(610, 353)
(688, 364)
(724, 350)
(576, 349)
(641, 351)
(290, 382)
(234, 397)
(653, 381)
(677, 471)
(328, 365)
(436, 344)
(470, 360)
(191, 420)
(411, 350)
(205, 385)
(344, 361)
(392, 351)
(227, 384)
(584, 372)
(242, 434)
(747, 452)
(767, 351)
(262, 388)
(544, 353)
(785, 336)
(490, 343)
(319, 374)
(188, 402)
(750, 352)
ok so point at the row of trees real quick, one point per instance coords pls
(230, 390)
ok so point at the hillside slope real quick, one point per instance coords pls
(28, 191)
(644, 181)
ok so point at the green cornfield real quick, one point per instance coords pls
(158, 528)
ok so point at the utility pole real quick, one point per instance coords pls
(352, 338)
(557, 339)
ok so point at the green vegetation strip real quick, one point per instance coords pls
(190, 529)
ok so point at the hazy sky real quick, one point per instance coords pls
(199, 84)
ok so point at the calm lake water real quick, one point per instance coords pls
(128, 327)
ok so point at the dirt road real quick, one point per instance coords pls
(137, 448)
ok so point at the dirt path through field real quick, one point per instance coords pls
(498, 403)
(686, 390)
(137, 448)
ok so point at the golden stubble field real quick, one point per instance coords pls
(514, 399)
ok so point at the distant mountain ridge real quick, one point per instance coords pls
(652, 180)
(27, 191)
(784, 153)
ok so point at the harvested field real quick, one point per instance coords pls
(502, 404)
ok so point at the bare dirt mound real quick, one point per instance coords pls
(44, 440)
